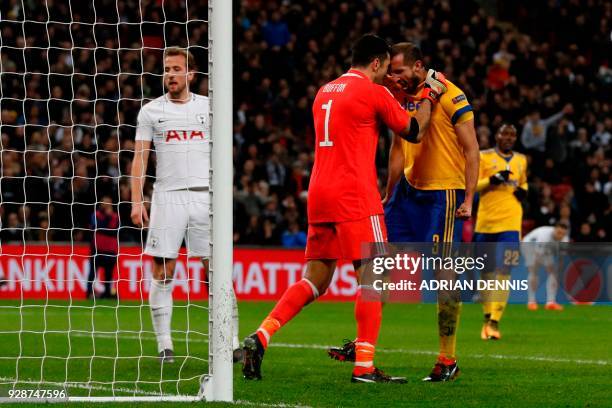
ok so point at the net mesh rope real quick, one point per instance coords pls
(73, 78)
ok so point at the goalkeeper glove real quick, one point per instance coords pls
(520, 193)
(435, 85)
(500, 177)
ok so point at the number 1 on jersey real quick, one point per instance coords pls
(326, 142)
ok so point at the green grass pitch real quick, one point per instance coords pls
(545, 358)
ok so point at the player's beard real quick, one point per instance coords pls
(506, 148)
(410, 85)
(178, 95)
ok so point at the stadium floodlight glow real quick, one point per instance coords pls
(100, 351)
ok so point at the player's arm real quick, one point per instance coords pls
(396, 166)
(139, 167)
(483, 180)
(521, 190)
(466, 135)
(144, 136)
(457, 107)
(418, 123)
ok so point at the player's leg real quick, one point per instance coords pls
(161, 303)
(321, 251)
(93, 264)
(108, 262)
(316, 280)
(552, 284)
(199, 245)
(368, 302)
(532, 264)
(404, 219)
(481, 240)
(167, 227)
(507, 256)
(399, 220)
(446, 228)
(238, 353)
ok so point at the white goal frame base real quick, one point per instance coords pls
(169, 398)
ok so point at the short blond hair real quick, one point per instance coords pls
(172, 51)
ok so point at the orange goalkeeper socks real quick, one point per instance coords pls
(290, 304)
(364, 358)
(368, 313)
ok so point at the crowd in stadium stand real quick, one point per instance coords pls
(542, 66)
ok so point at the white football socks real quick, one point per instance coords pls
(160, 301)
(532, 288)
(551, 288)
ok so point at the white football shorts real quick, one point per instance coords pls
(177, 215)
(537, 255)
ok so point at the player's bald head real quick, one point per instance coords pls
(368, 48)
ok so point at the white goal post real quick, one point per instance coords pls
(65, 334)
(220, 57)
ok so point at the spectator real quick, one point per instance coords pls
(601, 137)
(104, 247)
(536, 128)
(276, 33)
(13, 232)
(585, 234)
(511, 70)
(293, 237)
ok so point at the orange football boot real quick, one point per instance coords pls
(553, 306)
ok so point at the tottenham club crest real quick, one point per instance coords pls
(202, 118)
(153, 241)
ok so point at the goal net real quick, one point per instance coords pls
(73, 78)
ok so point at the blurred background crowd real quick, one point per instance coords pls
(67, 125)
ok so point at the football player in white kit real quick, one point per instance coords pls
(178, 124)
(539, 248)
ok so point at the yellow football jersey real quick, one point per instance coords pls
(437, 163)
(498, 208)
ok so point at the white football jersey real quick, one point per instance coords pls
(542, 240)
(543, 234)
(181, 135)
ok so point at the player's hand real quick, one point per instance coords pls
(435, 86)
(395, 88)
(500, 177)
(464, 211)
(139, 215)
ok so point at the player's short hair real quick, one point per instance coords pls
(367, 49)
(506, 125)
(411, 52)
(172, 51)
(562, 225)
